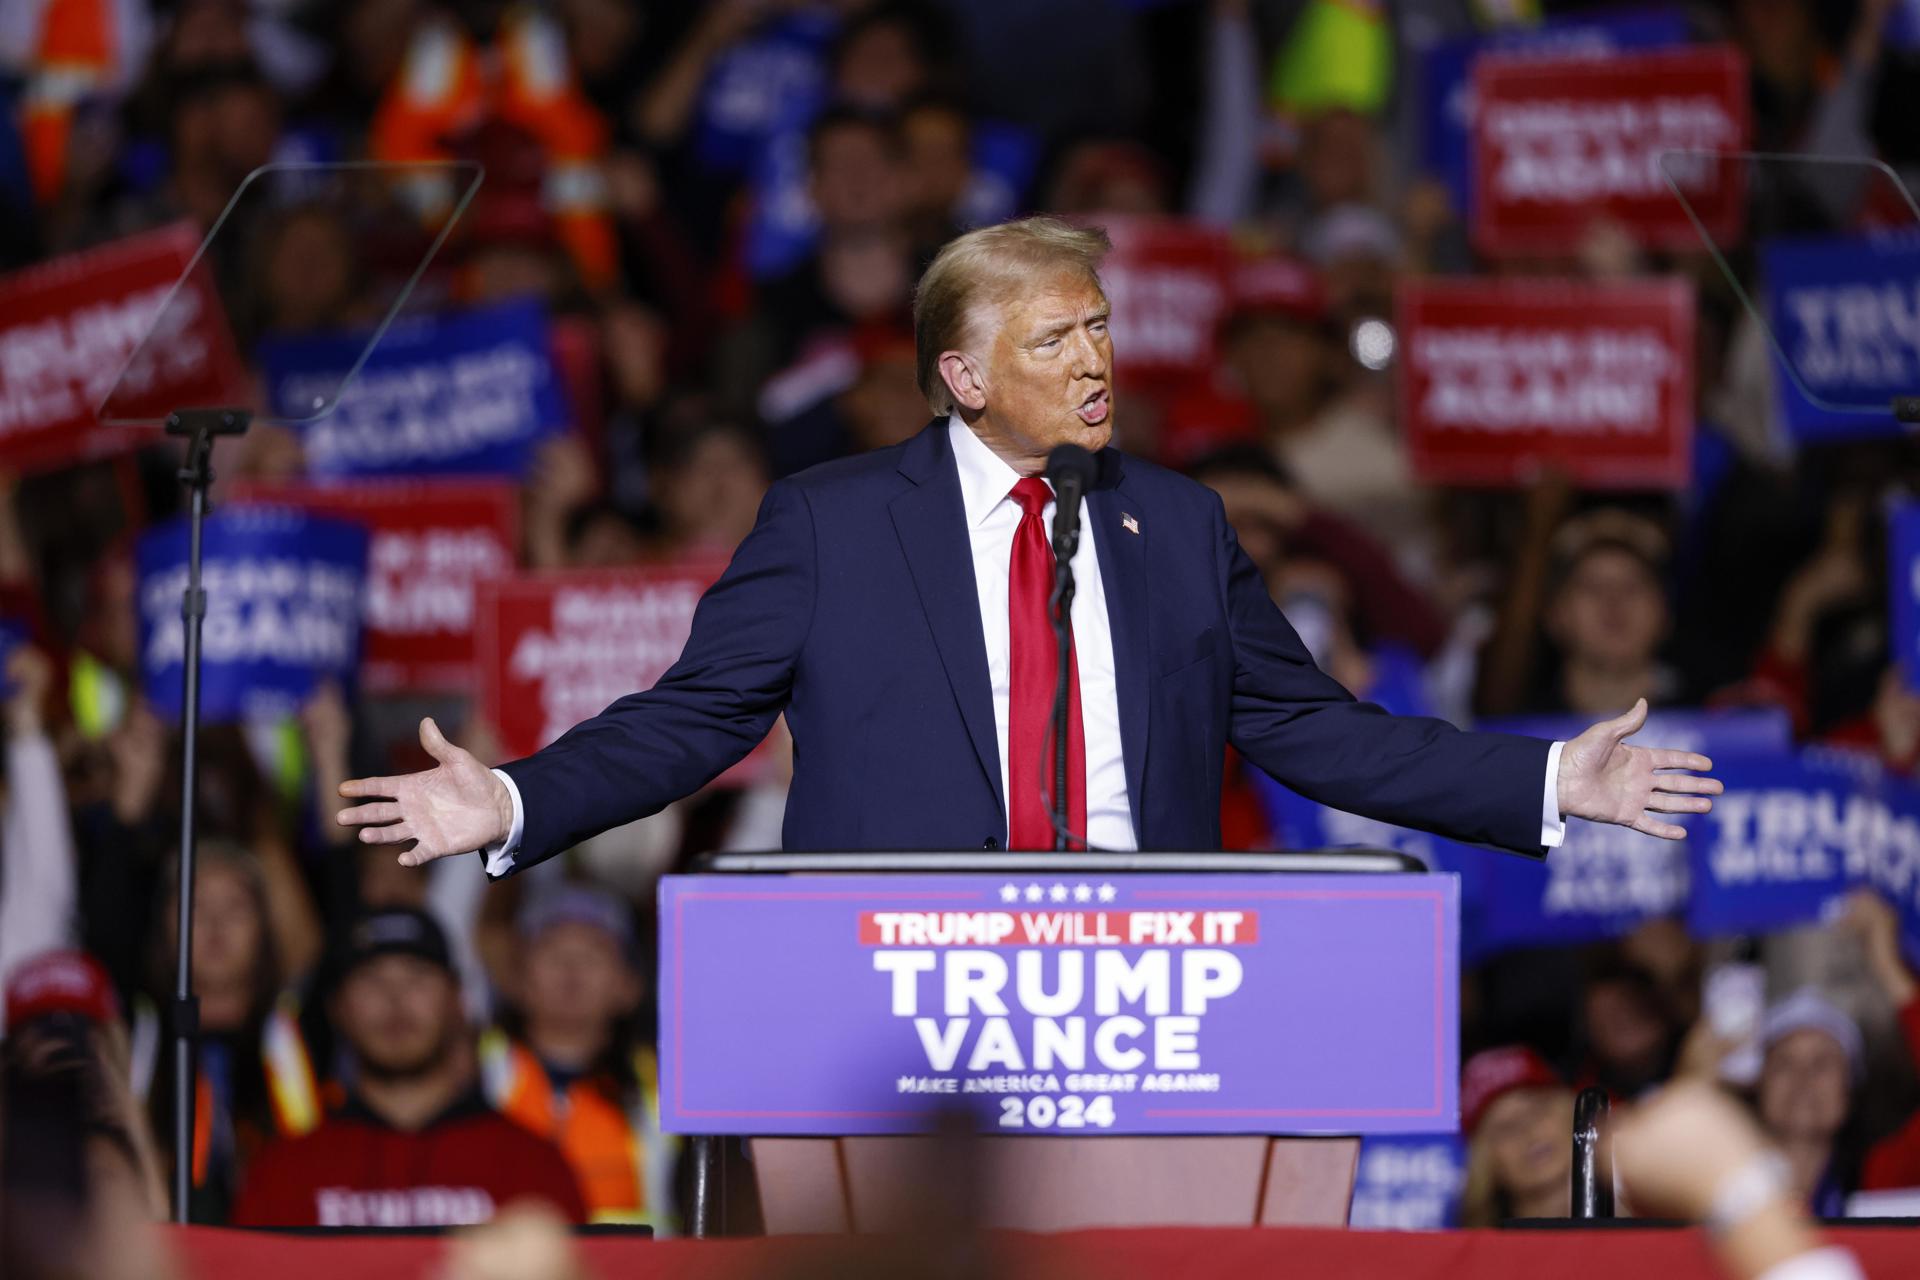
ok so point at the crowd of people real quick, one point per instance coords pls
(734, 199)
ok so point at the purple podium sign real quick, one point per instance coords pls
(1091, 1003)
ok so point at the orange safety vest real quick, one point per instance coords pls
(290, 1083)
(448, 85)
(606, 1147)
(73, 57)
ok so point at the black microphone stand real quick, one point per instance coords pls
(1060, 606)
(199, 427)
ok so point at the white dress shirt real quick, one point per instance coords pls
(986, 486)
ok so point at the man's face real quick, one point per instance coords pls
(856, 178)
(1049, 373)
(1527, 1132)
(399, 1014)
(712, 498)
(885, 406)
(226, 930)
(1611, 612)
(938, 165)
(1281, 363)
(867, 272)
(1805, 1086)
(634, 342)
(1259, 509)
(310, 274)
(1337, 156)
(576, 977)
(879, 68)
(1627, 1035)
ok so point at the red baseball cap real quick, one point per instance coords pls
(1493, 1072)
(60, 982)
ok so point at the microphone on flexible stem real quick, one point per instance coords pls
(1070, 472)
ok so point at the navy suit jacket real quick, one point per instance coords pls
(851, 607)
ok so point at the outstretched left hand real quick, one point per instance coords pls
(1602, 779)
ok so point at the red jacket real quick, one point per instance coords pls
(355, 1170)
(1894, 1161)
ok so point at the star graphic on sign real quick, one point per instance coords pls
(1108, 893)
(1009, 893)
(1083, 893)
(1035, 893)
(1058, 893)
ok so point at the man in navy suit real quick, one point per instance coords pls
(894, 607)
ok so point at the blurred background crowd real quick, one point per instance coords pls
(732, 201)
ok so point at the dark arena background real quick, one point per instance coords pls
(384, 384)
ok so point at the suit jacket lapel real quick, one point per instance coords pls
(1122, 549)
(932, 525)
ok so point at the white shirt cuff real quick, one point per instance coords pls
(1553, 827)
(1830, 1263)
(498, 858)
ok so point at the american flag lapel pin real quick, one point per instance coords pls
(1128, 523)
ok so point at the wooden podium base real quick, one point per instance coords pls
(811, 1185)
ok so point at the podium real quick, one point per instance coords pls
(1138, 1039)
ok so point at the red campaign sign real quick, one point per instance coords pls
(67, 327)
(556, 648)
(433, 542)
(1040, 927)
(1560, 143)
(1502, 378)
(1167, 282)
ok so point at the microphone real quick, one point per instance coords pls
(1070, 472)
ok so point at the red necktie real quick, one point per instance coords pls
(1034, 665)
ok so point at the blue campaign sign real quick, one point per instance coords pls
(1903, 25)
(1903, 572)
(1005, 156)
(1603, 881)
(1846, 314)
(461, 393)
(1791, 835)
(1446, 76)
(284, 594)
(13, 634)
(1065, 1002)
(782, 223)
(783, 227)
(773, 81)
(1408, 1182)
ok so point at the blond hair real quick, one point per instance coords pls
(986, 268)
(1484, 1200)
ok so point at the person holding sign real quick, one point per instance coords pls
(894, 607)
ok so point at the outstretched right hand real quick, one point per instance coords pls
(456, 807)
